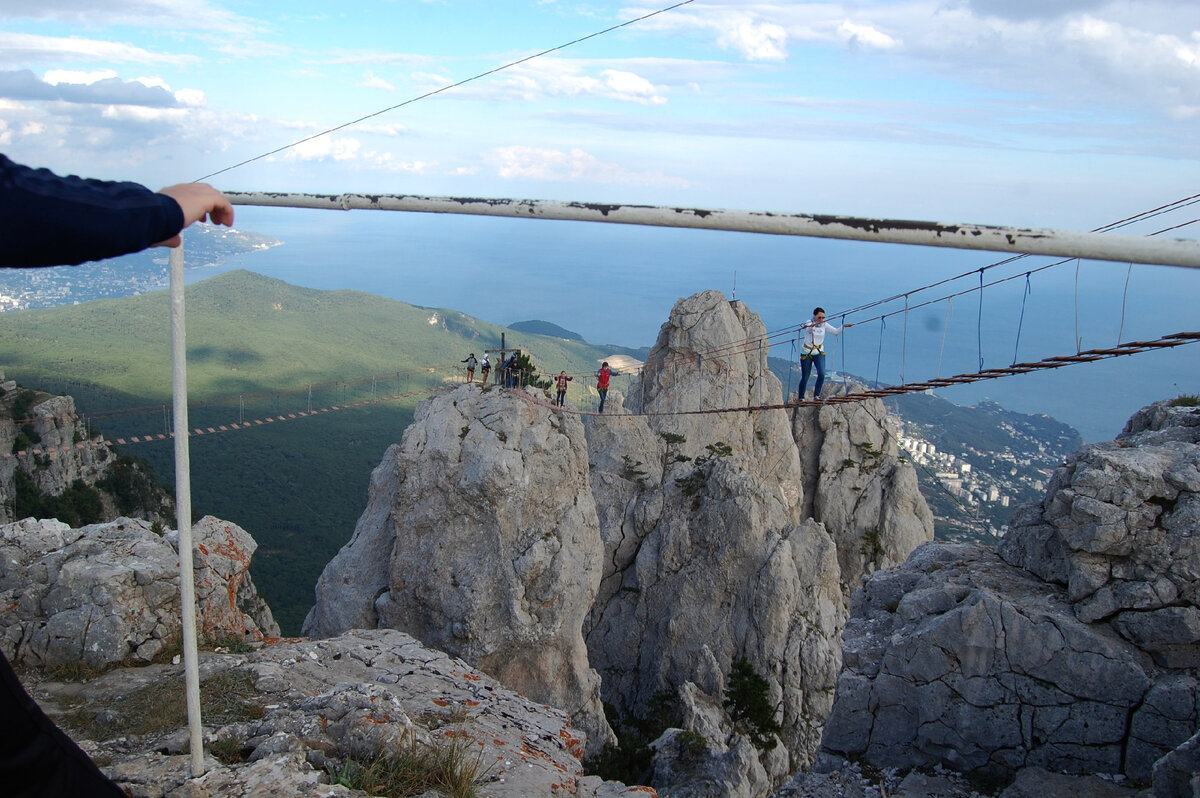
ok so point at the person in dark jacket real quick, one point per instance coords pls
(560, 385)
(47, 220)
(470, 361)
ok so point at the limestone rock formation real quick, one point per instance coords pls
(708, 557)
(291, 715)
(109, 593)
(1119, 528)
(1076, 652)
(856, 485)
(684, 537)
(43, 438)
(712, 551)
(495, 553)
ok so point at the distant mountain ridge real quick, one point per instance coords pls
(539, 327)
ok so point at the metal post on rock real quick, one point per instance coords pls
(183, 513)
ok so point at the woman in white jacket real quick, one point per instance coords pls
(813, 352)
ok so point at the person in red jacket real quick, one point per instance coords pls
(47, 220)
(602, 383)
(560, 385)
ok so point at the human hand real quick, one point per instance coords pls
(200, 203)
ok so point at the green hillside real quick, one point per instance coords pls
(257, 347)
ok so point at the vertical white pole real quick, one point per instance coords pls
(183, 512)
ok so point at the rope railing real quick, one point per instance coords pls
(1055, 362)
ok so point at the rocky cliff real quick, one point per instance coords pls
(481, 539)
(336, 717)
(50, 465)
(1076, 647)
(670, 542)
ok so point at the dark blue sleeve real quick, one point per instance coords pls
(47, 220)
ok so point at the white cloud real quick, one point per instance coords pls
(620, 85)
(534, 163)
(26, 48)
(192, 97)
(1024, 9)
(325, 148)
(67, 87)
(866, 35)
(1134, 54)
(153, 81)
(754, 40)
(170, 14)
(372, 81)
(555, 77)
(392, 129)
(142, 114)
(388, 161)
(431, 80)
(57, 76)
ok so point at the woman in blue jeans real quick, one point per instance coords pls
(813, 352)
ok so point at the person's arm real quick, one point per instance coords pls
(48, 220)
(199, 202)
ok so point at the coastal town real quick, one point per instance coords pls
(130, 275)
(977, 464)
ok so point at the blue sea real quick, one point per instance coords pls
(616, 284)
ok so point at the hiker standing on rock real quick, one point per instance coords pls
(814, 351)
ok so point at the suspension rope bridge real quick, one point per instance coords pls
(451, 372)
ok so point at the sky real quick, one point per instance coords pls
(1047, 113)
(1067, 114)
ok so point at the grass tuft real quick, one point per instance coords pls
(227, 696)
(452, 766)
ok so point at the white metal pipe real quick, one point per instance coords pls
(1013, 240)
(183, 513)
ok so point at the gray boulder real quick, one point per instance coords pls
(959, 659)
(1177, 775)
(1117, 528)
(1076, 652)
(109, 593)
